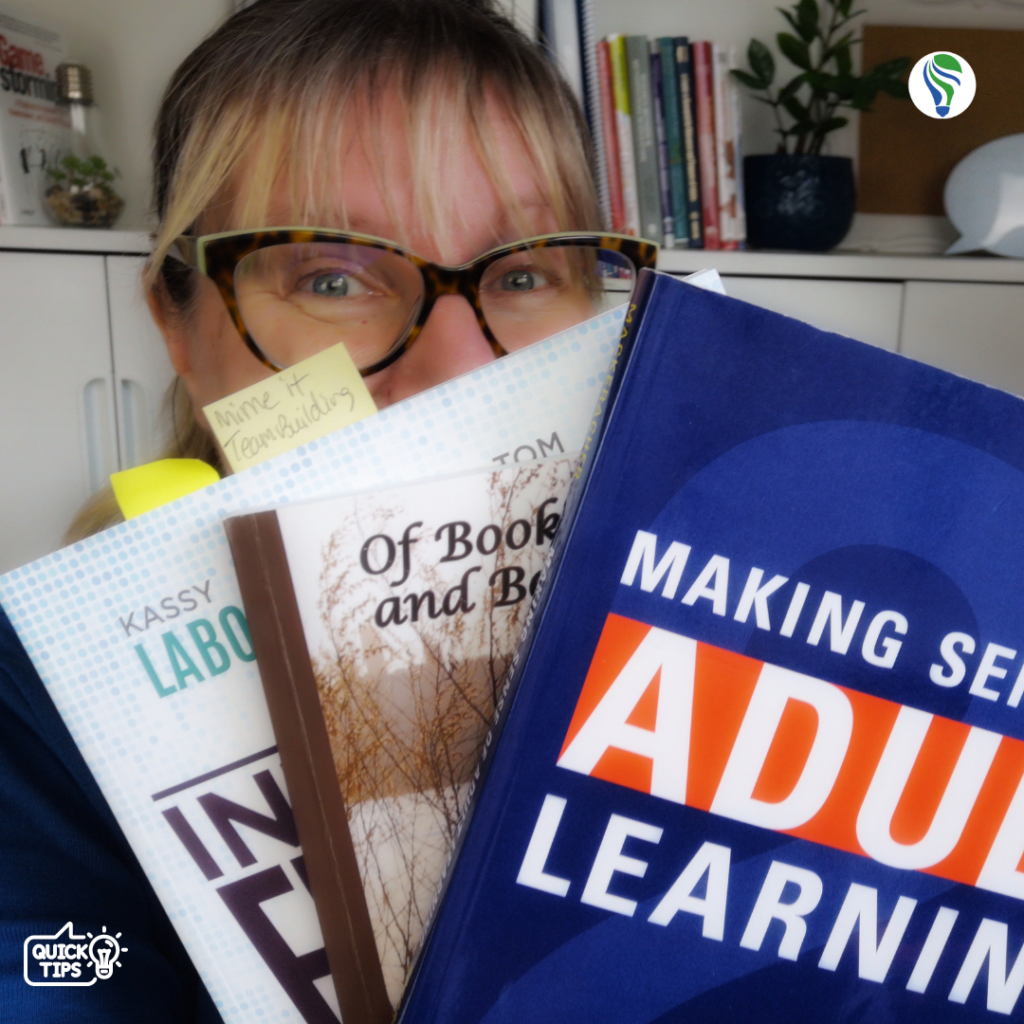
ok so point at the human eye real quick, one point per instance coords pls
(520, 276)
(336, 282)
(522, 279)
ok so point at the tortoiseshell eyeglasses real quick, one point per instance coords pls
(293, 292)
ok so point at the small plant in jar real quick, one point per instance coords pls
(82, 193)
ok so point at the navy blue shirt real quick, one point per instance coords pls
(63, 858)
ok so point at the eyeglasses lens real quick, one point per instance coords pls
(297, 299)
(531, 295)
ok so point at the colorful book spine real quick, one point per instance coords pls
(725, 148)
(610, 154)
(704, 102)
(691, 162)
(624, 124)
(674, 140)
(661, 134)
(737, 124)
(645, 143)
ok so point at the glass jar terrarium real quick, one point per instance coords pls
(80, 191)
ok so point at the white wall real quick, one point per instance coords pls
(132, 47)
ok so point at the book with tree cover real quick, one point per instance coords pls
(761, 756)
(383, 624)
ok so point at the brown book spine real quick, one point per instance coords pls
(317, 804)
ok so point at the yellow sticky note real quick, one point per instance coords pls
(297, 405)
(147, 487)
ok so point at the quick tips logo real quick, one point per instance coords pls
(942, 84)
(69, 960)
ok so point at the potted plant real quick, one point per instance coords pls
(81, 194)
(797, 198)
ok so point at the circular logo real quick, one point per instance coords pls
(942, 84)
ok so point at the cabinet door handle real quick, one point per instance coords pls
(99, 437)
(134, 440)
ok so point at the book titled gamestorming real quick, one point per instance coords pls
(762, 754)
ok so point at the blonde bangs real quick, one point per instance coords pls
(234, 159)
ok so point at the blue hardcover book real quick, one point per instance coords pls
(761, 757)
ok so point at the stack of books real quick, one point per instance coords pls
(428, 573)
(669, 154)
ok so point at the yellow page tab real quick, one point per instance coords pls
(157, 483)
(308, 400)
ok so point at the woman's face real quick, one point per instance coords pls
(214, 362)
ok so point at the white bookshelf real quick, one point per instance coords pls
(55, 239)
(845, 266)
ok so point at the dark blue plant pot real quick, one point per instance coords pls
(798, 202)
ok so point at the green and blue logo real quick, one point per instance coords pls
(942, 84)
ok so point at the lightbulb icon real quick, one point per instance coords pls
(942, 84)
(939, 75)
(104, 951)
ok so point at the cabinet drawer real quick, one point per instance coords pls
(975, 330)
(866, 310)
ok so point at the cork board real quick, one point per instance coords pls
(905, 157)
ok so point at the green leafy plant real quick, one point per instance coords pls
(80, 174)
(821, 50)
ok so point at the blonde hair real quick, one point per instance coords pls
(274, 91)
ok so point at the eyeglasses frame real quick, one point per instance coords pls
(217, 255)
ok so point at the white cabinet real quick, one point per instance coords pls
(866, 310)
(84, 370)
(55, 395)
(965, 315)
(142, 371)
(975, 330)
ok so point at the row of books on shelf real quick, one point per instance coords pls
(667, 130)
